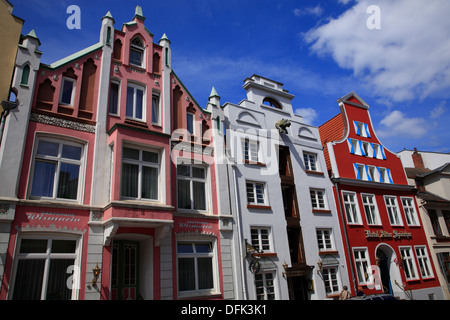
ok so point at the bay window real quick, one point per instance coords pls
(191, 184)
(57, 169)
(140, 174)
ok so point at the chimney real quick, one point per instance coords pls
(417, 159)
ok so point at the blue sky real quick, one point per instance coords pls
(320, 50)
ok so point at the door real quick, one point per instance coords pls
(383, 263)
(125, 270)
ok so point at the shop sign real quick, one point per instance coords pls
(383, 234)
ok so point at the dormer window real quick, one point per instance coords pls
(272, 103)
(137, 52)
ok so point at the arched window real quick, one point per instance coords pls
(272, 103)
(137, 52)
(25, 75)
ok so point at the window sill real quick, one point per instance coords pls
(256, 163)
(321, 211)
(329, 252)
(136, 122)
(318, 173)
(254, 206)
(264, 254)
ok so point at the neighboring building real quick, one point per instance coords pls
(387, 245)
(430, 173)
(287, 231)
(108, 180)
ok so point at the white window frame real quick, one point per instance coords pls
(265, 286)
(250, 150)
(72, 97)
(118, 83)
(327, 274)
(325, 241)
(263, 238)
(48, 256)
(409, 264)
(141, 163)
(354, 215)
(139, 48)
(372, 207)
(362, 265)
(318, 199)
(310, 161)
(191, 180)
(361, 129)
(58, 160)
(423, 259)
(196, 256)
(157, 96)
(255, 193)
(409, 209)
(190, 114)
(136, 87)
(393, 210)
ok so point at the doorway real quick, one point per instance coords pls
(125, 270)
(384, 265)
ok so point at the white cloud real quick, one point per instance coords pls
(316, 11)
(308, 114)
(396, 124)
(406, 59)
(438, 111)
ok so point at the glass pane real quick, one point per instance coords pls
(183, 171)
(199, 195)
(129, 153)
(64, 246)
(198, 172)
(43, 179)
(57, 288)
(203, 248)
(149, 183)
(184, 194)
(139, 104)
(136, 57)
(130, 102)
(205, 273)
(185, 248)
(155, 109)
(68, 181)
(186, 274)
(150, 156)
(67, 89)
(71, 152)
(29, 277)
(48, 148)
(130, 180)
(33, 246)
(114, 98)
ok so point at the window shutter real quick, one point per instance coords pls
(381, 176)
(374, 153)
(382, 152)
(361, 148)
(389, 175)
(367, 173)
(350, 146)
(358, 176)
(366, 127)
(356, 128)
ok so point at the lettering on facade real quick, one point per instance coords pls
(383, 234)
(197, 227)
(53, 216)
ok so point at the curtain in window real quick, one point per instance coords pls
(205, 274)
(130, 180)
(149, 183)
(29, 277)
(186, 274)
(199, 195)
(184, 194)
(68, 181)
(57, 288)
(44, 175)
(139, 104)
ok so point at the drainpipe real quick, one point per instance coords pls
(7, 106)
(352, 271)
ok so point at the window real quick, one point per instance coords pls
(264, 285)
(190, 123)
(57, 170)
(255, 193)
(446, 214)
(318, 199)
(324, 240)
(271, 103)
(424, 262)
(114, 98)
(67, 91)
(361, 129)
(155, 108)
(260, 239)
(360, 173)
(351, 208)
(140, 174)
(410, 211)
(409, 266)
(370, 209)
(196, 269)
(392, 208)
(137, 52)
(385, 175)
(25, 75)
(310, 161)
(330, 278)
(435, 222)
(251, 149)
(191, 183)
(44, 267)
(135, 102)
(362, 264)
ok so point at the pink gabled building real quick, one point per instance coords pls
(108, 178)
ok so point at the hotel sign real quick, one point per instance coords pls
(383, 234)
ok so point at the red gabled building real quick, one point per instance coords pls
(387, 249)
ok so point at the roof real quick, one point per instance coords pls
(332, 130)
(431, 197)
(74, 56)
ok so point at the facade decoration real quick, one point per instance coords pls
(387, 247)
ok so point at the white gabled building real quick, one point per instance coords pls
(287, 233)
